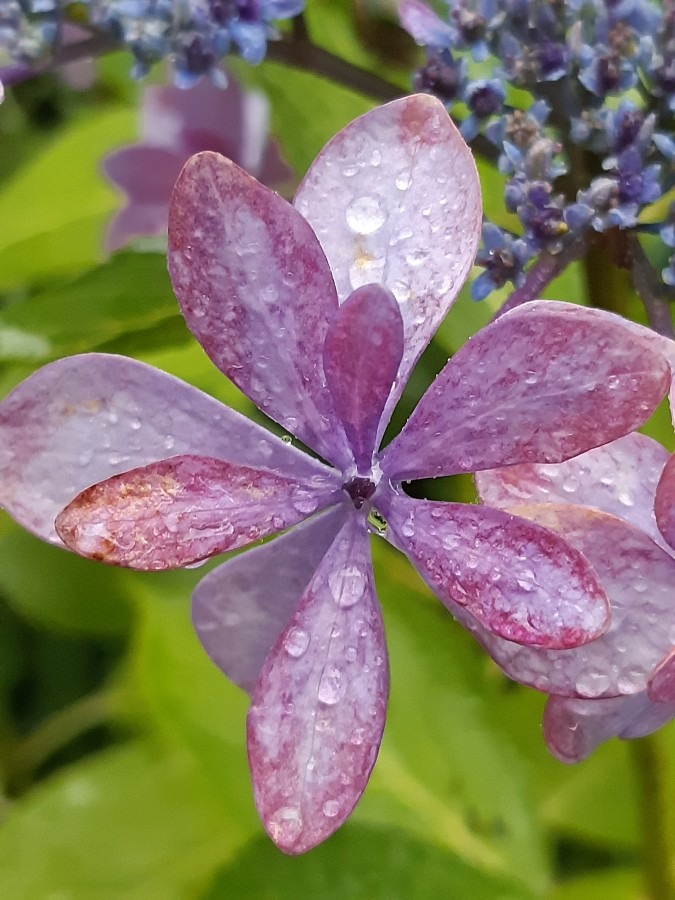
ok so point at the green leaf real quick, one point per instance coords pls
(127, 298)
(617, 884)
(358, 863)
(136, 822)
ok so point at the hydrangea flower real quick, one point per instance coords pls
(318, 313)
(175, 124)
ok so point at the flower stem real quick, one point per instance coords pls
(652, 292)
(547, 267)
(608, 286)
(651, 775)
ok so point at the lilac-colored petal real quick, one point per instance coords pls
(361, 356)
(257, 293)
(424, 25)
(241, 608)
(537, 387)
(318, 708)
(662, 682)
(178, 511)
(135, 221)
(574, 728)
(638, 577)
(664, 507)
(520, 581)
(146, 174)
(395, 200)
(619, 478)
(82, 419)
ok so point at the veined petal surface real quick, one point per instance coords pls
(317, 713)
(241, 608)
(541, 386)
(394, 199)
(519, 581)
(256, 291)
(85, 418)
(619, 478)
(362, 353)
(178, 511)
(638, 577)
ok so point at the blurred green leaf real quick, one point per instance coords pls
(358, 863)
(615, 884)
(137, 822)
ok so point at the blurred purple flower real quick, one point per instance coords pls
(318, 312)
(175, 124)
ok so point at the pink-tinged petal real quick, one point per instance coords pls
(257, 293)
(318, 708)
(241, 608)
(178, 511)
(664, 505)
(361, 356)
(662, 682)
(638, 577)
(395, 200)
(518, 580)
(574, 728)
(619, 478)
(538, 387)
(82, 419)
(424, 25)
(146, 174)
(135, 221)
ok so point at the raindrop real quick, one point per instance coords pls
(296, 642)
(375, 158)
(169, 442)
(350, 654)
(331, 808)
(592, 684)
(531, 378)
(135, 424)
(285, 825)
(304, 502)
(365, 215)
(347, 586)
(408, 527)
(331, 688)
(287, 439)
(570, 485)
(404, 180)
(417, 257)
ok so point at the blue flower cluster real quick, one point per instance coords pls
(192, 34)
(592, 146)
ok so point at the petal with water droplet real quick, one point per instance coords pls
(181, 510)
(664, 506)
(538, 385)
(638, 577)
(240, 608)
(82, 419)
(394, 199)
(619, 478)
(362, 353)
(316, 719)
(257, 293)
(516, 579)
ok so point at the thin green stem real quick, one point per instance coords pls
(608, 286)
(651, 774)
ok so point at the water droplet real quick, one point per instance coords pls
(347, 586)
(169, 442)
(305, 502)
(613, 382)
(375, 158)
(570, 485)
(135, 424)
(592, 684)
(417, 257)
(287, 439)
(285, 825)
(331, 808)
(404, 180)
(331, 687)
(531, 378)
(350, 654)
(377, 523)
(365, 215)
(357, 737)
(408, 527)
(296, 642)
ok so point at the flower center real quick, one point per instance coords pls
(359, 489)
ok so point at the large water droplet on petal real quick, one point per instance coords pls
(347, 585)
(331, 687)
(285, 825)
(296, 642)
(365, 215)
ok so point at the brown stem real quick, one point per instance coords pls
(652, 291)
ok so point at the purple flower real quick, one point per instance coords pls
(318, 312)
(175, 124)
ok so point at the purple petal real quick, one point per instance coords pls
(240, 608)
(135, 221)
(638, 577)
(519, 581)
(146, 174)
(664, 507)
(619, 478)
(82, 419)
(662, 682)
(537, 387)
(574, 728)
(257, 293)
(317, 714)
(424, 25)
(361, 356)
(178, 511)
(395, 200)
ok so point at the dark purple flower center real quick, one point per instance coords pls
(359, 490)
(484, 102)
(441, 76)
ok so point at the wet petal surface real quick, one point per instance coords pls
(664, 507)
(662, 682)
(362, 354)
(520, 582)
(394, 199)
(541, 386)
(257, 293)
(181, 510)
(83, 419)
(317, 714)
(638, 577)
(241, 608)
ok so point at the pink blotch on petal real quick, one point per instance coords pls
(362, 353)
(257, 293)
(178, 511)
(541, 386)
(518, 580)
(317, 713)
(394, 199)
